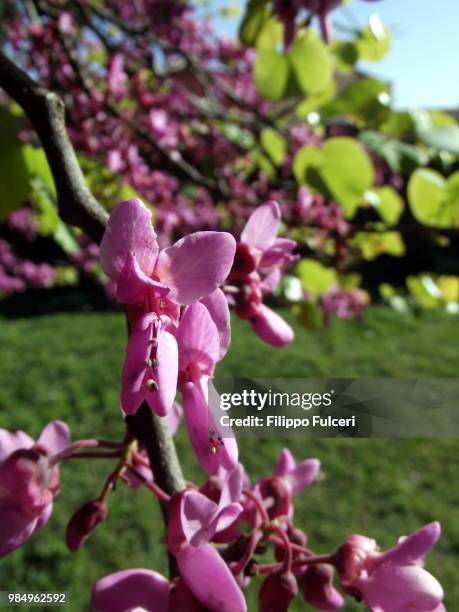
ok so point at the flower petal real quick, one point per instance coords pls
(303, 475)
(272, 328)
(278, 254)
(130, 589)
(134, 370)
(132, 283)
(209, 579)
(55, 436)
(174, 417)
(217, 305)
(9, 442)
(414, 547)
(197, 517)
(270, 282)
(226, 516)
(198, 338)
(285, 464)
(232, 485)
(392, 588)
(162, 400)
(15, 527)
(129, 230)
(200, 425)
(196, 265)
(262, 226)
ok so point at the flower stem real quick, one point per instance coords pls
(258, 505)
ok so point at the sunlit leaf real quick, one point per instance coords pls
(374, 244)
(433, 200)
(315, 277)
(374, 41)
(311, 62)
(271, 74)
(274, 144)
(390, 205)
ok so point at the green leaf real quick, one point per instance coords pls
(316, 101)
(306, 158)
(403, 158)
(271, 74)
(390, 205)
(424, 290)
(255, 16)
(339, 169)
(311, 62)
(270, 36)
(14, 176)
(374, 41)
(315, 277)
(433, 200)
(442, 138)
(374, 244)
(274, 144)
(449, 286)
(345, 53)
(366, 98)
(347, 172)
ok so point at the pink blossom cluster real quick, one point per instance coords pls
(344, 303)
(17, 274)
(218, 534)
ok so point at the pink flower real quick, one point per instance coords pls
(200, 348)
(117, 77)
(154, 284)
(344, 303)
(206, 581)
(258, 264)
(193, 520)
(288, 480)
(29, 481)
(393, 581)
(150, 367)
(185, 272)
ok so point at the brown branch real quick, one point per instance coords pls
(77, 206)
(46, 112)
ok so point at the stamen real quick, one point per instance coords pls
(153, 342)
(216, 443)
(151, 363)
(152, 384)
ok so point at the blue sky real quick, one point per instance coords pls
(423, 63)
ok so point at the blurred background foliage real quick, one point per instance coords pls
(204, 129)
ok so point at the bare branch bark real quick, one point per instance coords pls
(77, 206)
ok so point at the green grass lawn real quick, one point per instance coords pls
(68, 366)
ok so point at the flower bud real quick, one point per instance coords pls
(351, 557)
(318, 590)
(244, 261)
(277, 592)
(29, 480)
(83, 522)
(276, 496)
(181, 598)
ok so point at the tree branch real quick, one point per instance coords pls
(46, 112)
(77, 206)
